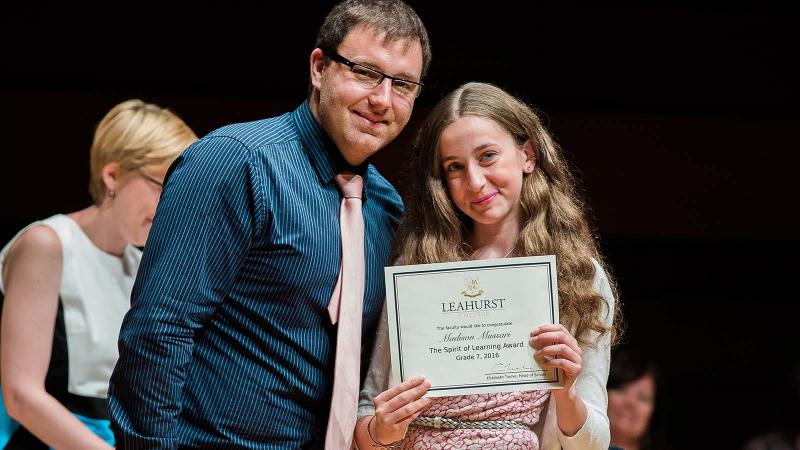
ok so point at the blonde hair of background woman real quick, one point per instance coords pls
(137, 135)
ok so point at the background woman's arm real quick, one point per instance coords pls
(31, 282)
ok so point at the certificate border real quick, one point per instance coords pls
(395, 276)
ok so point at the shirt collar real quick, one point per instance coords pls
(325, 157)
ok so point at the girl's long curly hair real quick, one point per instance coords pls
(553, 216)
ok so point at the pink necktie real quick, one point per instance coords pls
(345, 307)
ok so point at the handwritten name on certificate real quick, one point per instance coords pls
(465, 326)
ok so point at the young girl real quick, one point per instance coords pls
(490, 182)
(65, 285)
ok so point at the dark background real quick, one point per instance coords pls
(680, 119)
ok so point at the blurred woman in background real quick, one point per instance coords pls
(631, 401)
(65, 285)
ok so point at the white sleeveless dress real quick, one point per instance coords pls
(93, 298)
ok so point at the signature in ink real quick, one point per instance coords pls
(509, 367)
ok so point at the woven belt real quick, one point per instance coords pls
(446, 423)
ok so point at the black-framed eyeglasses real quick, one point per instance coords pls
(151, 179)
(372, 78)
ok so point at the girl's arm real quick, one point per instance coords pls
(395, 409)
(389, 410)
(581, 407)
(557, 348)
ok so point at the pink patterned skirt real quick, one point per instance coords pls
(522, 407)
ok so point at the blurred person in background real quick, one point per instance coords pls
(66, 284)
(631, 401)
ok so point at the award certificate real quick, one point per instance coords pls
(465, 326)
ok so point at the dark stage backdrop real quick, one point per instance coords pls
(680, 119)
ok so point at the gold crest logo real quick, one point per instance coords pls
(472, 289)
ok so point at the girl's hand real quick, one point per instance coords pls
(396, 408)
(556, 348)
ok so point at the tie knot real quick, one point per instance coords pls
(351, 186)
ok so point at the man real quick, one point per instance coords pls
(229, 342)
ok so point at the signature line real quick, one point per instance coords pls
(514, 371)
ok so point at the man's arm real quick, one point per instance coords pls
(209, 213)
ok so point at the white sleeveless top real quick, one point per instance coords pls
(95, 295)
